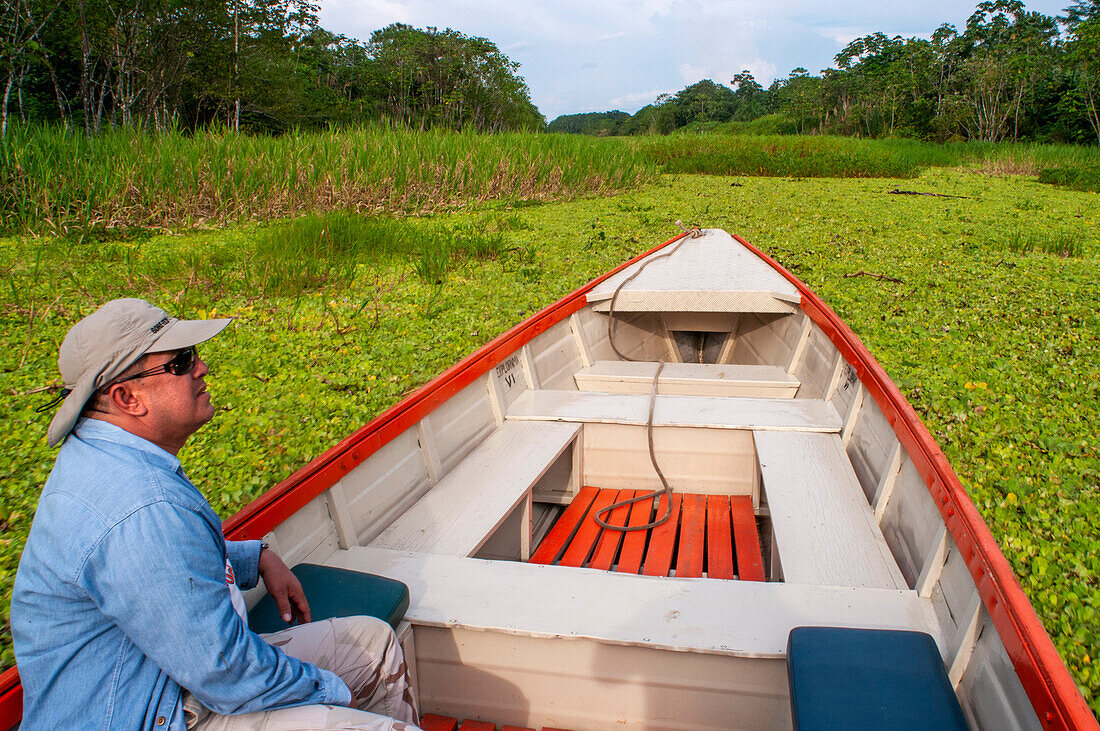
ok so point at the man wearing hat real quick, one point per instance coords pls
(127, 611)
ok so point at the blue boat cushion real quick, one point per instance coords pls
(845, 678)
(333, 592)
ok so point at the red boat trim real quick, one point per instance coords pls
(1045, 678)
(11, 698)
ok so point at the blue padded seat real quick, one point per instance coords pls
(333, 592)
(851, 679)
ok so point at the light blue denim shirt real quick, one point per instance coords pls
(121, 600)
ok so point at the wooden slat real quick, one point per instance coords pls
(515, 728)
(580, 547)
(689, 555)
(604, 557)
(750, 564)
(471, 725)
(662, 539)
(630, 558)
(719, 538)
(552, 545)
(432, 722)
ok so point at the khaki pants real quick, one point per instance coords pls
(363, 651)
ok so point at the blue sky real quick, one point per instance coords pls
(597, 55)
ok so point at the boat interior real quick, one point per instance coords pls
(794, 504)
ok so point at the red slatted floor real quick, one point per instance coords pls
(432, 722)
(707, 535)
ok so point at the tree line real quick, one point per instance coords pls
(247, 64)
(1010, 74)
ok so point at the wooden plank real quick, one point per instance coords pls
(750, 563)
(516, 728)
(630, 558)
(825, 531)
(662, 539)
(471, 725)
(692, 541)
(604, 557)
(800, 415)
(735, 618)
(434, 722)
(559, 536)
(459, 514)
(719, 538)
(688, 379)
(584, 540)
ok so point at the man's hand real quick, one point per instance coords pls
(284, 587)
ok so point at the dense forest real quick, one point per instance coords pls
(263, 65)
(1010, 74)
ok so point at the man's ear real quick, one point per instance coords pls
(127, 400)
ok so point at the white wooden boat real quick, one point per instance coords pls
(808, 494)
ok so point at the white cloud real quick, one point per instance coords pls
(611, 36)
(517, 46)
(642, 97)
(843, 35)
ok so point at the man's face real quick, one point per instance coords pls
(178, 405)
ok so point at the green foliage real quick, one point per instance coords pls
(1078, 177)
(123, 178)
(831, 156)
(998, 350)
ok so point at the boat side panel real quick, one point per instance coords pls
(459, 425)
(815, 367)
(990, 691)
(556, 357)
(910, 521)
(593, 328)
(767, 339)
(871, 447)
(639, 336)
(577, 683)
(707, 461)
(308, 535)
(384, 486)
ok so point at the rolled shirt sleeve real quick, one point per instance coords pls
(245, 557)
(174, 606)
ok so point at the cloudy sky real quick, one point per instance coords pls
(597, 55)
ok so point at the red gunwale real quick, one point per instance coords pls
(1045, 678)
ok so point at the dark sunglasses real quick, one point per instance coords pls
(181, 364)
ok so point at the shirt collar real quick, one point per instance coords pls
(88, 428)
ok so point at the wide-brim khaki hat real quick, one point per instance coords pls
(107, 342)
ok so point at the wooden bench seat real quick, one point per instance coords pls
(825, 532)
(808, 415)
(740, 618)
(459, 514)
(688, 379)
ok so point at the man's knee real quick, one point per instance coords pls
(362, 631)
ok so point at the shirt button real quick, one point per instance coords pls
(160, 720)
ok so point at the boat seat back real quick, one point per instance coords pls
(844, 678)
(333, 592)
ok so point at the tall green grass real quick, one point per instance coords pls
(321, 249)
(55, 179)
(821, 156)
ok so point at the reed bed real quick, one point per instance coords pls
(822, 156)
(54, 179)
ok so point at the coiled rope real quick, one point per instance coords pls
(665, 490)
